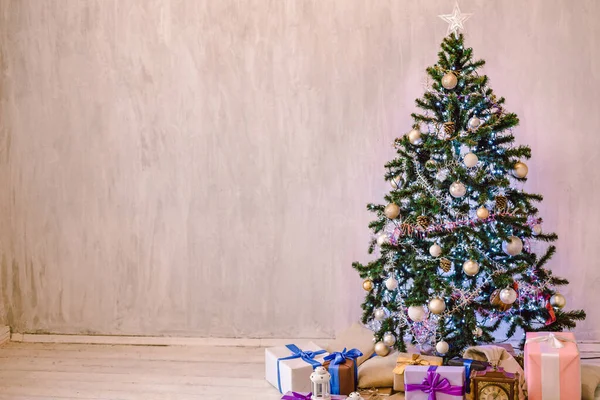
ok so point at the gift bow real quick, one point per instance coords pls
(307, 356)
(432, 384)
(371, 394)
(337, 358)
(297, 396)
(403, 362)
(555, 341)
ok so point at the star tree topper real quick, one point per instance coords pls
(455, 20)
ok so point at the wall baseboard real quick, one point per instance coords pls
(155, 340)
(4, 334)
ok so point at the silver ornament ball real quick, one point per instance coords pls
(536, 230)
(458, 189)
(470, 160)
(383, 239)
(381, 349)
(389, 339)
(513, 246)
(435, 250)
(396, 182)
(416, 313)
(474, 123)
(558, 301)
(508, 295)
(437, 305)
(442, 347)
(379, 314)
(470, 267)
(391, 283)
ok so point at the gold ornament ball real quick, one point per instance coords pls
(470, 160)
(442, 347)
(437, 305)
(396, 182)
(391, 211)
(471, 267)
(520, 170)
(513, 246)
(435, 250)
(537, 229)
(474, 123)
(414, 136)
(483, 213)
(458, 189)
(449, 81)
(558, 301)
(389, 339)
(381, 349)
(368, 285)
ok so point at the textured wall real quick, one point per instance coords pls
(201, 167)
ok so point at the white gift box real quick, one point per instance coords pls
(292, 374)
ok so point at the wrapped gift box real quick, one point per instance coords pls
(382, 393)
(288, 367)
(437, 383)
(406, 359)
(552, 367)
(307, 395)
(343, 368)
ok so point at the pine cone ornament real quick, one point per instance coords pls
(449, 128)
(501, 203)
(445, 264)
(423, 221)
(496, 302)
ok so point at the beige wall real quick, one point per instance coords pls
(202, 167)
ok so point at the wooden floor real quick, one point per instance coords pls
(74, 371)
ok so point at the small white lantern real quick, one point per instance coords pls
(321, 386)
(355, 396)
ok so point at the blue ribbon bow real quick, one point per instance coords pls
(307, 356)
(335, 360)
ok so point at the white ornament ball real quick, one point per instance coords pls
(471, 267)
(474, 123)
(355, 396)
(558, 301)
(520, 170)
(537, 229)
(435, 250)
(392, 211)
(437, 305)
(383, 239)
(449, 81)
(513, 246)
(508, 295)
(483, 213)
(379, 314)
(396, 182)
(389, 339)
(381, 349)
(477, 332)
(442, 347)
(470, 160)
(458, 189)
(391, 283)
(414, 136)
(416, 313)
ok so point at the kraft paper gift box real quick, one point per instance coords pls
(552, 367)
(288, 367)
(343, 368)
(406, 359)
(307, 396)
(382, 393)
(434, 383)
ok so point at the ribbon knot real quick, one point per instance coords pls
(335, 360)
(434, 383)
(555, 341)
(307, 356)
(340, 357)
(297, 396)
(403, 362)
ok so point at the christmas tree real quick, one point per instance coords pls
(455, 238)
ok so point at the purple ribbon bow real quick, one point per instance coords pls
(297, 396)
(433, 384)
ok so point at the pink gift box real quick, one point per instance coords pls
(304, 395)
(446, 382)
(552, 369)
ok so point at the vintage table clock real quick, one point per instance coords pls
(495, 384)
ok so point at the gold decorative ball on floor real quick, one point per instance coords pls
(414, 136)
(520, 170)
(470, 160)
(381, 349)
(558, 301)
(437, 305)
(471, 267)
(482, 212)
(392, 211)
(449, 80)
(368, 285)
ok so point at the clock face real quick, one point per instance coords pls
(493, 392)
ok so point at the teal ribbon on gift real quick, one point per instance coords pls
(337, 358)
(307, 356)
